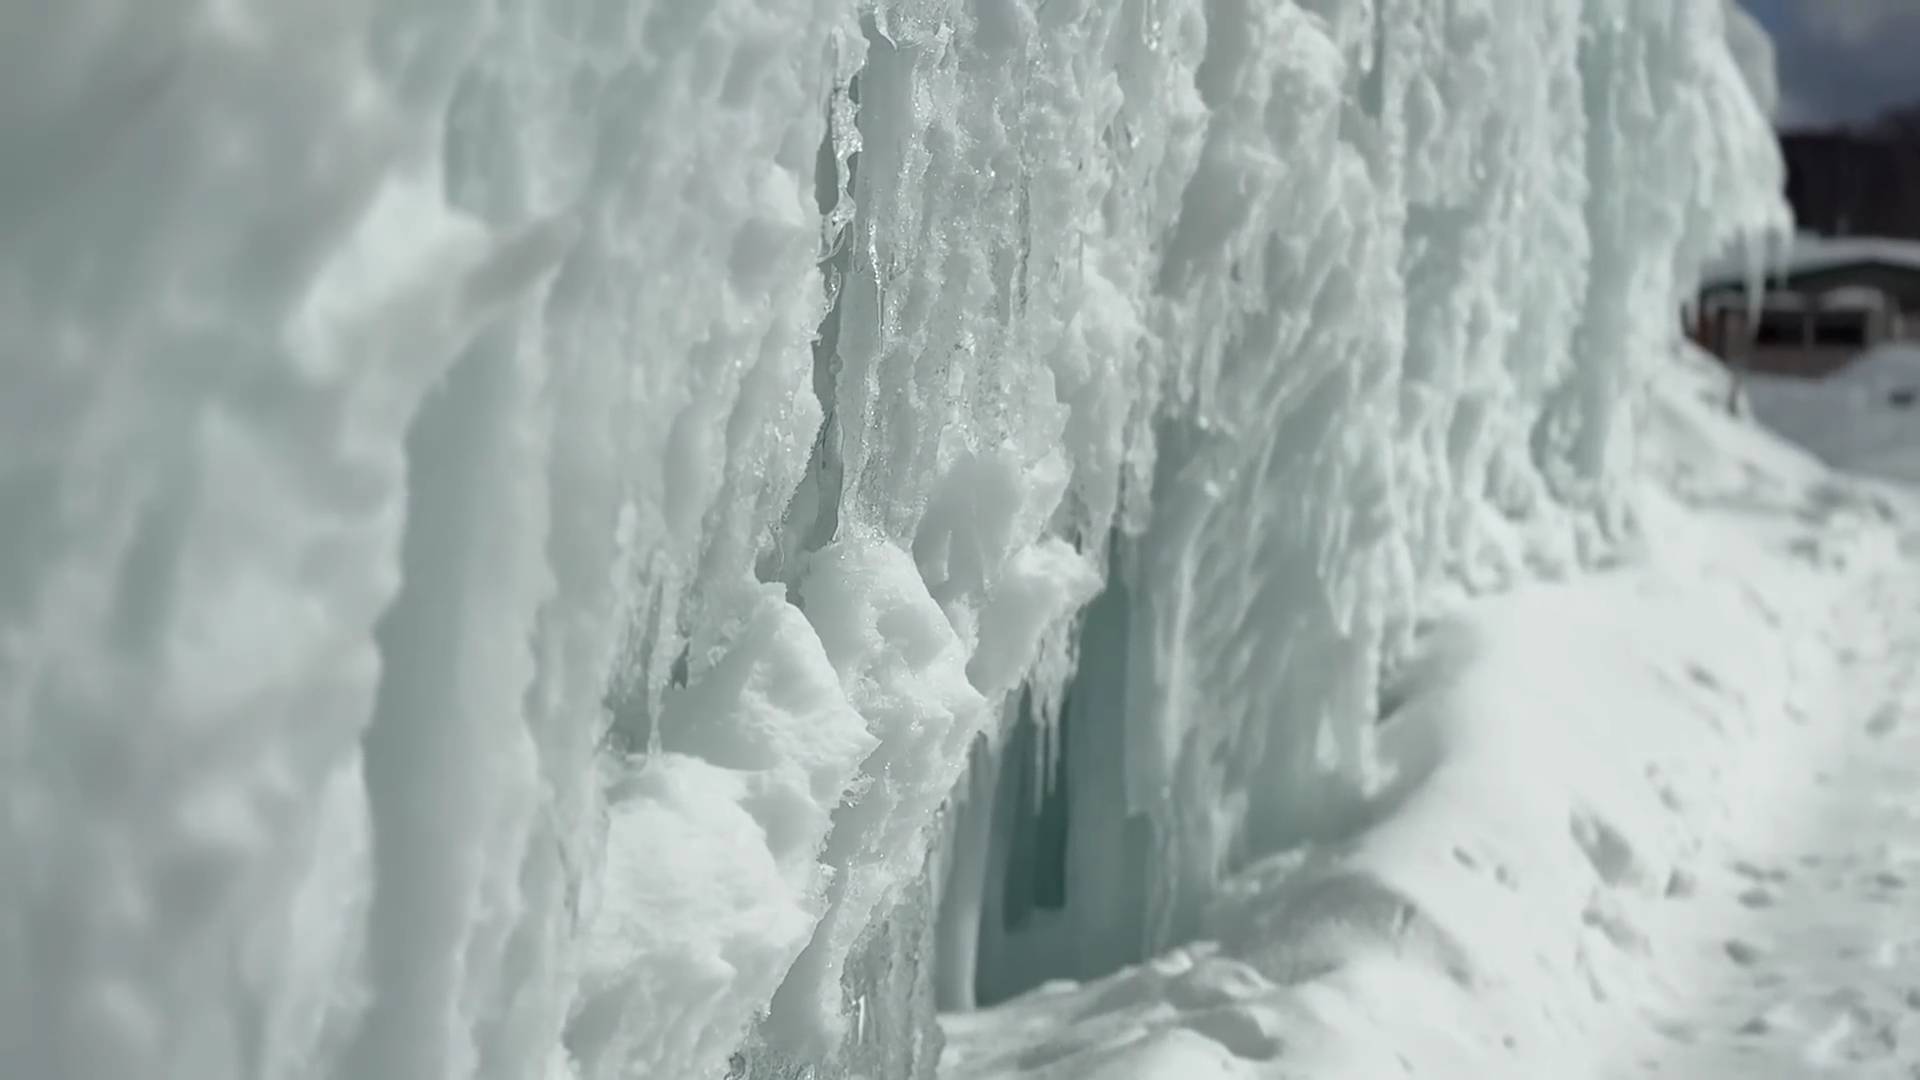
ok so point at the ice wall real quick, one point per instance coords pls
(515, 516)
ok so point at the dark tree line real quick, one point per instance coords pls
(1858, 181)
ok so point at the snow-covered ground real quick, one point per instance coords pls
(1862, 418)
(1656, 821)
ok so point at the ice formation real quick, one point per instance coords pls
(518, 515)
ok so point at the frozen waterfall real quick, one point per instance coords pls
(517, 516)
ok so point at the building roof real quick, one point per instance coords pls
(1816, 257)
(1847, 298)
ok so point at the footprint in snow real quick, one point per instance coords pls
(1704, 678)
(1677, 1030)
(1681, 885)
(1607, 849)
(1770, 875)
(1744, 953)
(1501, 874)
(1759, 1025)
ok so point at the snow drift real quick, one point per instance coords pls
(517, 516)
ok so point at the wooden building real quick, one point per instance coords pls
(1831, 301)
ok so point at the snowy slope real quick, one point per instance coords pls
(1864, 417)
(517, 515)
(1593, 790)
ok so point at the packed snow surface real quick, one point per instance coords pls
(518, 515)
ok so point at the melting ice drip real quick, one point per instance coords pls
(517, 516)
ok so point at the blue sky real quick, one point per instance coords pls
(1843, 60)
